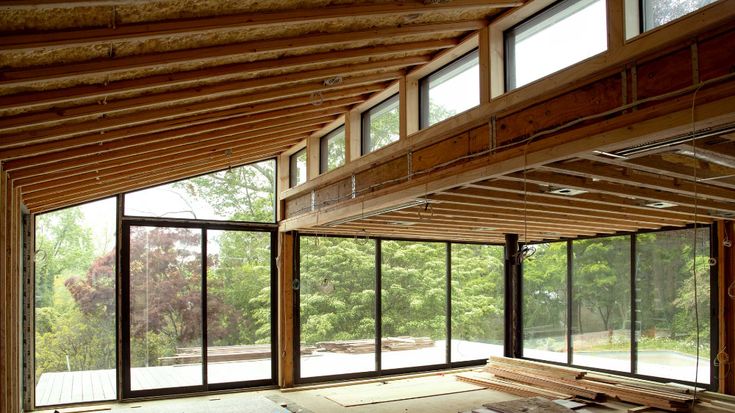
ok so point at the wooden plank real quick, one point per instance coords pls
(245, 21)
(539, 368)
(364, 84)
(285, 310)
(48, 98)
(199, 93)
(68, 153)
(25, 76)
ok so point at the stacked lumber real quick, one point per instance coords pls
(368, 346)
(528, 378)
(489, 381)
(715, 402)
(348, 346)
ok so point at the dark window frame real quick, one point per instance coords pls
(324, 149)
(544, 18)
(275, 193)
(425, 82)
(379, 371)
(714, 327)
(365, 120)
(293, 170)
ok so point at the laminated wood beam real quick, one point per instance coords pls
(245, 21)
(26, 76)
(34, 156)
(363, 84)
(49, 98)
(192, 95)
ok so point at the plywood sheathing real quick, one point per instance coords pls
(195, 64)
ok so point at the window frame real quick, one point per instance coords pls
(714, 291)
(255, 223)
(365, 120)
(379, 371)
(547, 17)
(293, 171)
(425, 83)
(324, 149)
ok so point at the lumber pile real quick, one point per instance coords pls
(215, 354)
(368, 346)
(528, 378)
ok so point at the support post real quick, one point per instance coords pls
(285, 309)
(513, 333)
(726, 304)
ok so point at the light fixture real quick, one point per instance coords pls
(483, 229)
(661, 205)
(552, 234)
(409, 204)
(402, 223)
(567, 191)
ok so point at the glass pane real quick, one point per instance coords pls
(667, 328)
(337, 306)
(569, 32)
(298, 168)
(335, 149)
(660, 12)
(545, 303)
(75, 304)
(601, 303)
(445, 100)
(413, 304)
(165, 307)
(245, 193)
(238, 306)
(477, 301)
(383, 128)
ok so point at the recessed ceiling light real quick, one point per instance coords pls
(552, 234)
(567, 191)
(402, 223)
(483, 229)
(661, 205)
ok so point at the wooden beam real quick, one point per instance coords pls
(26, 76)
(565, 208)
(195, 94)
(32, 157)
(98, 92)
(286, 374)
(190, 150)
(726, 304)
(245, 21)
(10, 140)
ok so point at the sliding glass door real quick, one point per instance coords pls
(197, 308)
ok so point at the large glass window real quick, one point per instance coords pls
(564, 34)
(545, 303)
(605, 314)
(337, 305)
(477, 301)
(380, 125)
(75, 304)
(450, 90)
(601, 303)
(659, 12)
(414, 294)
(238, 306)
(244, 193)
(667, 325)
(165, 307)
(332, 150)
(297, 168)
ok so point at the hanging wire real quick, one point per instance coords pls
(694, 245)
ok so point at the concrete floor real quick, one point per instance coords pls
(313, 400)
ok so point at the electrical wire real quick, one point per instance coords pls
(694, 245)
(525, 141)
